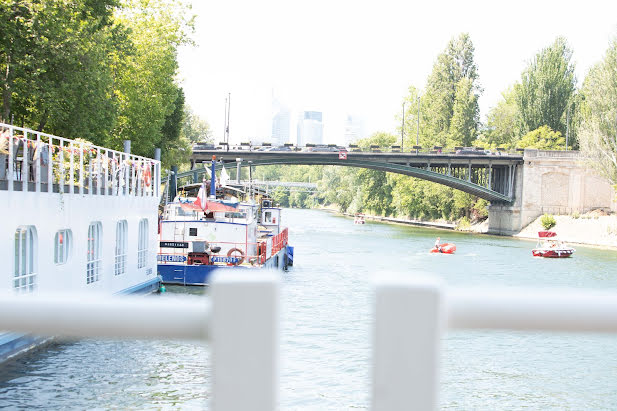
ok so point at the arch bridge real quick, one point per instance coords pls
(491, 177)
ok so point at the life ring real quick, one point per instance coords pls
(147, 177)
(233, 250)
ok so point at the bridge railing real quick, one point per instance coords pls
(240, 319)
(40, 162)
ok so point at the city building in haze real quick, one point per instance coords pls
(310, 128)
(281, 123)
(354, 129)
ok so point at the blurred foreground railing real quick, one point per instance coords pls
(413, 314)
(240, 318)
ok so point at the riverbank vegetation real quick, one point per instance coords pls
(100, 70)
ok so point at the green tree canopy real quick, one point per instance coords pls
(598, 129)
(543, 138)
(546, 89)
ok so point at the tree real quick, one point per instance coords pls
(543, 138)
(442, 95)
(546, 89)
(503, 125)
(56, 58)
(196, 129)
(598, 129)
(465, 116)
(145, 84)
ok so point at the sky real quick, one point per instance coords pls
(360, 57)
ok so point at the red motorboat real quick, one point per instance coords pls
(549, 246)
(446, 248)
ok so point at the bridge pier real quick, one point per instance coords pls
(553, 182)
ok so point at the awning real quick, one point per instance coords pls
(211, 206)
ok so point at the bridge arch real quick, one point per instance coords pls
(444, 178)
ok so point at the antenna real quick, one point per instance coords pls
(225, 122)
(228, 111)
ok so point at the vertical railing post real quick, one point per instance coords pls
(127, 151)
(71, 168)
(50, 166)
(25, 166)
(408, 326)
(11, 160)
(61, 164)
(245, 340)
(156, 176)
(81, 168)
(37, 162)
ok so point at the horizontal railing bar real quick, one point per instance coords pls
(531, 309)
(99, 316)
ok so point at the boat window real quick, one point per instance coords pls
(235, 215)
(268, 217)
(93, 267)
(24, 280)
(142, 243)
(193, 231)
(185, 213)
(62, 246)
(121, 243)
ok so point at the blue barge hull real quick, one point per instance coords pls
(182, 274)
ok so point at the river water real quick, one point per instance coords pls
(326, 320)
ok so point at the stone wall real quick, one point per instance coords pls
(554, 182)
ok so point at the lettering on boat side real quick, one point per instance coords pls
(171, 258)
(174, 244)
(232, 260)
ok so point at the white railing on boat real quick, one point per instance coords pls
(40, 162)
(240, 318)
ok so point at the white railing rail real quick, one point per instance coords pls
(412, 315)
(240, 319)
(41, 162)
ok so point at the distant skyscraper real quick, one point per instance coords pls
(281, 120)
(354, 129)
(310, 128)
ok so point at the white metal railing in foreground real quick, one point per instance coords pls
(240, 319)
(412, 314)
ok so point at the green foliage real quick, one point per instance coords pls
(196, 129)
(548, 221)
(480, 209)
(102, 70)
(449, 112)
(503, 127)
(463, 223)
(547, 88)
(543, 139)
(379, 139)
(598, 115)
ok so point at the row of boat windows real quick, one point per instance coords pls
(26, 252)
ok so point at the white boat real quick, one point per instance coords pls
(201, 233)
(78, 218)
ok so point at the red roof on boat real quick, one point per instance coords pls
(545, 234)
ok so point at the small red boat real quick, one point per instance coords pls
(549, 246)
(445, 248)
